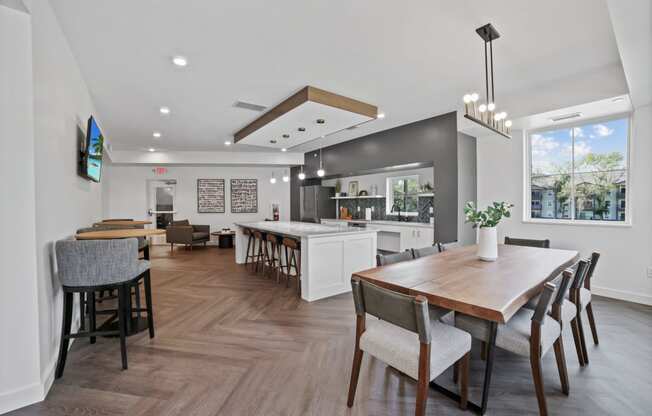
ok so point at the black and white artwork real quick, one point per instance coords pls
(244, 196)
(210, 196)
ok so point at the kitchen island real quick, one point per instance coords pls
(329, 253)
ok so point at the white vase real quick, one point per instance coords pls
(487, 244)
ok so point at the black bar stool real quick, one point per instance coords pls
(273, 255)
(292, 261)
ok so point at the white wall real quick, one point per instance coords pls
(380, 179)
(626, 251)
(127, 192)
(19, 350)
(64, 201)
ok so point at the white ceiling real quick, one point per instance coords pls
(413, 60)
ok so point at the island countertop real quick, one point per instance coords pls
(303, 229)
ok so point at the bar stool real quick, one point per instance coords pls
(259, 250)
(251, 248)
(273, 255)
(89, 266)
(292, 260)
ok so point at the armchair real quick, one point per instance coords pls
(182, 232)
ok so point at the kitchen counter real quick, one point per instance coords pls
(303, 229)
(381, 222)
(330, 254)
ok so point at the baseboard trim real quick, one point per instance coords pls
(622, 295)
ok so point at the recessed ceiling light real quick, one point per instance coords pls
(320, 121)
(157, 134)
(272, 141)
(151, 149)
(301, 129)
(165, 110)
(380, 115)
(180, 60)
(286, 136)
(284, 150)
(227, 143)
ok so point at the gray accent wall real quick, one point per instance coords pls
(431, 140)
(467, 184)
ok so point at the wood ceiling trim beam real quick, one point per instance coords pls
(307, 93)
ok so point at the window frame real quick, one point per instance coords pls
(389, 196)
(527, 171)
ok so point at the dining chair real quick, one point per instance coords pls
(405, 337)
(425, 251)
(580, 295)
(527, 242)
(385, 259)
(529, 333)
(448, 246)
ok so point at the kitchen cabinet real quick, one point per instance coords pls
(396, 236)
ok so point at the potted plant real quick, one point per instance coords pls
(338, 188)
(486, 221)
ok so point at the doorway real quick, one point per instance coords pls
(161, 196)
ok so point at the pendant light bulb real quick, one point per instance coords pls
(321, 172)
(272, 180)
(482, 108)
(475, 97)
(508, 123)
(467, 98)
(286, 177)
(491, 106)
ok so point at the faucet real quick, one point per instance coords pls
(398, 209)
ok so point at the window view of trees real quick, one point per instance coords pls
(580, 172)
(403, 194)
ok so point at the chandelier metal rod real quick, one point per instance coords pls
(491, 49)
(486, 73)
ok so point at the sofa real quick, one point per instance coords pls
(182, 232)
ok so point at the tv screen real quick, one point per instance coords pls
(93, 154)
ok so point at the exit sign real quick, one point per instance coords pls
(160, 171)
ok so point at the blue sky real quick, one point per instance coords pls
(551, 149)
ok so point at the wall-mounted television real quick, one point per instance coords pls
(92, 155)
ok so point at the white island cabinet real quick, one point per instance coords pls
(329, 253)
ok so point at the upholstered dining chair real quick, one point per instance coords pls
(526, 242)
(580, 295)
(385, 259)
(88, 266)
(425, 251)
(406, 338)
(448, 246)
(529, 333)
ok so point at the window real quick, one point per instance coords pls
(402, 195)
(580, 172)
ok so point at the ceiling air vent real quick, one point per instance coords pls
(249, 106)
(566, 117)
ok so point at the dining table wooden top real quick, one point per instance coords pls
(456, 279)
(120, 233)
(123, 222)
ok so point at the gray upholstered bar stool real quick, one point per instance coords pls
(87, 266)
(292, 261)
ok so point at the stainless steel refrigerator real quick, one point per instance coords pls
(317, 203)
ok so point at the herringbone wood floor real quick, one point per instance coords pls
(232, 343)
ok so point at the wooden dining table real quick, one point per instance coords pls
(493, 291)
(121, 233)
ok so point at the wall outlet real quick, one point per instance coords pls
(649, 272)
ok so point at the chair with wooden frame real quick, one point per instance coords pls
(250, 254)
(529, 333)
(272, 255)
(259, 250)
(580, 295)
(292, 261)
(406, 338)
(526, 242)
(385, 259)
